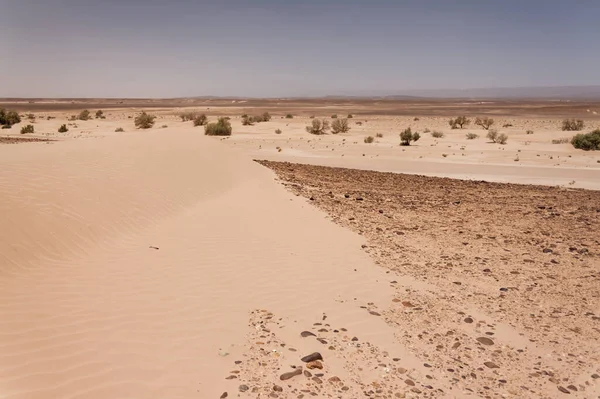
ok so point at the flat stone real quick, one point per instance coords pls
(485, 341)
(290, 374)
(312, 357)
(305, 334)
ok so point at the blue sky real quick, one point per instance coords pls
(269, 48)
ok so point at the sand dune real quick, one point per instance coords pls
(89, 310)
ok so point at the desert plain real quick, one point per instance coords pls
(163, 263)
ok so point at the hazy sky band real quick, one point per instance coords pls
(68, 48)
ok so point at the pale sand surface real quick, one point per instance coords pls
(90, 310)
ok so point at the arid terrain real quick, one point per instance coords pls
(161, 262)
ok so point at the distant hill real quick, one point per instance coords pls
(556, 93)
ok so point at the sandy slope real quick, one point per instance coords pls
(89, 310)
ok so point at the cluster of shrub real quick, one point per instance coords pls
(251, 120)
(321, 126)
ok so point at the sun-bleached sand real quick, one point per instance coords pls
(164, 263)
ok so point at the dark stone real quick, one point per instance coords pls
(288, 375)
(312, 357)
(305, 334)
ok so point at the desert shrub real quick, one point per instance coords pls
(437, 134)
(144, 121)
(472, 136)
(485, 123)
(407, 136)
(350, 116)
(74, 118)
(426, 130)
(266, 117)
(359, 123)
(84, 115)
(564, 140)
(459, 122)
(502, 138)
(6, 126)
(588, 141)
(416, 118)
(369, 139)
(529, 132)
(247, 120)
(119, 130)
(492, 135)
(334, 116)
(99, 114)
(200, 120)
(278, 131)
(289, 116)
(63, 129)
(572, 125)
(312, 117)
(507, 125)
(318, 126)
(187, 116)
(27, 129)
(9, 118)
(340, 126)
(31, 117)
(164, 126)
(379, 135)
(220, 128)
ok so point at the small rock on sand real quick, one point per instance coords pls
(290, 374)
(485, 341)
(312, 357)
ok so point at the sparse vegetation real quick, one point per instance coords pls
(278, 131)
(84, 115)
(266, 117)
(318, 126)
(407, 136)
(119, 130)
(31, 117)
(144, 121)
(369, 139)
(472, 136)
(492, 135)
(63, 129)
(588, 142)
(485, 123)
(200, 120)
(507, 125)
(426, 130)
(459, 122)
(220, 128)
(350, 116)
(437, 134)
(187, 116)
(529, 132)
(379, 135)
(99, 114)
(572, 125)
(502, 138)
(289, 116)
(9, 118)
(247, 120)
(340, 126)
(27, 129)
(563, 140)
(334, 116)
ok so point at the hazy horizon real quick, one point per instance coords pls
(268, 48)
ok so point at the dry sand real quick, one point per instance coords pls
(164, 263)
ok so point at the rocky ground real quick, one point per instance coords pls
(497, 285)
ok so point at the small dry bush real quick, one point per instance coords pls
(529, 132)
(200, 120)
(492, 135)
(63, 129)
(31, 117)
(472, 136)
(502, 138)
(485, 123)
(247, 120)
(350, 116)
(266, 117)
(278, 131)
(27, 129)
(379, 135)
(84, 115)
(99, 114)
(289, 116)
(144, 121)
(564, 140)
(220, 128)
(119, 130)
(437, 134)
(318, 126)
(572, 125)
(369, 139)
(187, 116)
(334, 116)
(459, 122)
(340, 126)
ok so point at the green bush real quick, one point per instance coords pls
(459, 122)
(572, 125)
(200, 120)
(369, 139)
(588, 142)
(407, 136)
(9, 118)
(221, 128)
(63, 129)
(485, 123)
(84, 115)
(27, 129)
(144, 121)
(318, 126)
(340, 126)
(437, 134)
(472, 136)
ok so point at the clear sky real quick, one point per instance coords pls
(268, 48)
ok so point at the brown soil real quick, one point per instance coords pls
(498, 285)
